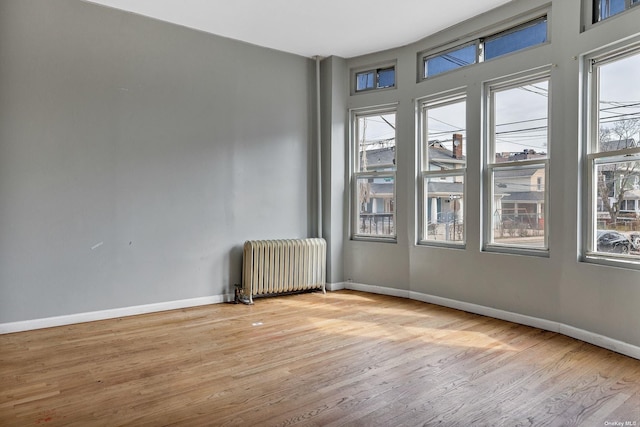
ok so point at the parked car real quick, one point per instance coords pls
(614, 242)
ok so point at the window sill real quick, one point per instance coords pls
(442, 244)
(513, 250)
(611, 261)
(376, 239)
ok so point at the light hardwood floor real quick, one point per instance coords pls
(345, 358)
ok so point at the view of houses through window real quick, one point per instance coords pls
(515, 151)
(374, 177)
(615, 156)
(517, 163)
(443, 148)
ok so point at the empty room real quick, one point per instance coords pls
(336, 213)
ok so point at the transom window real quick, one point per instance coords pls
(373, 191)
(517, 165)
(378, 78)
(603, 9)
(613, 159)
(529, 34)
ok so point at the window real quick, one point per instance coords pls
(613, 157)
(375, 79)
(517, 165)
(374, 173)
(603, 9)
(443, 169)
(450, 60)
(529, 34)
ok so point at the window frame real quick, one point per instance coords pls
(356, 174)
(490, 165)
(596, 15)
(522, 26)
(426, 58)
(424, 174)
(478, 39)
(376, 72)
(591, 15)
(592, 157)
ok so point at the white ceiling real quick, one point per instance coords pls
(345, 28)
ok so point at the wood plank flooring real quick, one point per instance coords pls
(341, 359)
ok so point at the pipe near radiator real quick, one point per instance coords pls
(319, 146)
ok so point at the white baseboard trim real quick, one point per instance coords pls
(338, 286)
(548, 325)
(49, 322)
(377, 289)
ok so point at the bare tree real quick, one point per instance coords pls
(616, 179)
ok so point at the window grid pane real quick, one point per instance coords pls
(365, 80)
(518, 206)
(501, 44)
(376, 206)
(521, 123)
(376, 142)
(444, 209)
(386, 78)
(451, 60)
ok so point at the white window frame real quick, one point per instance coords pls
(592, 157)
(375, 69)
(357, 174)
(590, 15)
(490, 165)
(478, 39)
(423, 105)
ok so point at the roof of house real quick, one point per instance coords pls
(524, 196)
(632, 195)
(381, 156)
(378, 189)
(515, 173)
(445, 187)
(437, 151)
(620, 144)
(386, 156)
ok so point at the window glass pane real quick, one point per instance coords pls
(607, 8)
(619, 104)
(528, 36)
(386, 77)
(376, 204)
(443, 208)
(617, 207)
(450, 60)
(446, 136)
(365, 80)
(376, 142)
(518, 206)
(521, 121)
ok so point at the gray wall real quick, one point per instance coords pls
(137, 156)
(598, 299)
(335, 89)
